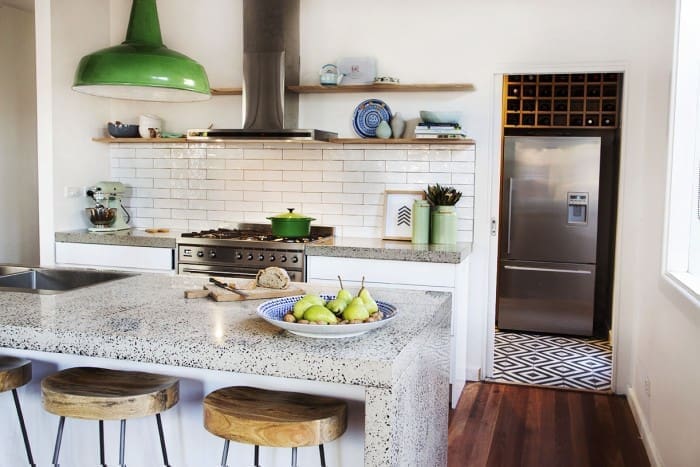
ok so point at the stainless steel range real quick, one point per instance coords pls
(242, 251)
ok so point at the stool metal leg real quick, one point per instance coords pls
(322, 454)
(102, 443)
(162, 441)
(256, 456)
(122, 443)
(294, 457)
(59, 436)
(224, 456)
(27, 447)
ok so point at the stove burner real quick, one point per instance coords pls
(247, 235)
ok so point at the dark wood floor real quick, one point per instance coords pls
(504, 425)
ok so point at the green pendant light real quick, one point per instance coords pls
(142, 68)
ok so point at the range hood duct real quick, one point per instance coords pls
(270, 64)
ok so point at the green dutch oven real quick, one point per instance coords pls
(290, 224)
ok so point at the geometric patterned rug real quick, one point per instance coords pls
(561, 361)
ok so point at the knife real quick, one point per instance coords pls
(224, 285)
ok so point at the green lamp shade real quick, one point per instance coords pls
(142, 72)
(142, 68)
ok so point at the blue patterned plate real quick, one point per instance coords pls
(273, 312)
(368, 115)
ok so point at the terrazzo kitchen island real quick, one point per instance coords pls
(395, 378)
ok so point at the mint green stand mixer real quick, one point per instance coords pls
(108, 214)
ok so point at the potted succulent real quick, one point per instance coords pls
(443, 219)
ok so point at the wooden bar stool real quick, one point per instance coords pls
(16, 372)
(273, 418)
(102, 394)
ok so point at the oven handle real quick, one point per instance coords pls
(219, 273)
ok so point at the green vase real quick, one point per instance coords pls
(443, 225)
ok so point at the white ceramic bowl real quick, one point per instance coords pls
(430, 116)
(149, 121)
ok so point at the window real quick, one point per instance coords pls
(683, 201)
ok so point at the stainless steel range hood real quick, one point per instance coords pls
(270, 64)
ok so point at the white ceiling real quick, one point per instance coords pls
(26, 5)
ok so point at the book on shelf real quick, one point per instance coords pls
(438, 125)
(440, 136)
(434, 131)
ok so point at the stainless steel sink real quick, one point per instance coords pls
(52, 281)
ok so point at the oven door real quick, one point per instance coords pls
(227, 271)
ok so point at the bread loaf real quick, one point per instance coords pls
(272, 278)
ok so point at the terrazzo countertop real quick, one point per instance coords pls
(374, 248)
(145, 318)
(131, 237)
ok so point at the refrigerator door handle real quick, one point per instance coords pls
(568, 271)
(510, 211)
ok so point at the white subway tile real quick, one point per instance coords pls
(214, 205)
(225, 174)
(322, 187)
(349, 198)
(323, 165)
(245, 164)
(207, 164)
(273, 164)
(169, 183)
(372, 221)
(262, 196)
(189, 194)
(344, 220)
(206, 145)
(152, 153)
(170, 203)
(407, 166)
(123, 173)
(363, 187)
(465, 224)
(242, 185)
(429, 155)
(207, 184)
(431, 178)
(139, 203)
(436, 167)
(362, 232)
(464, 167)
(373, 198)
(224, 195)
(141, 222)
(452, 147)
(138, 182)
(197, 225)
(466, 201)
(255, 216)
(262, 154)
(151, 212)
(272, 208)
(343, 154)
(467, 190)
(121, 153)
(322, 208)
(221, 153)
(344, 176)
(135, 145)
(385, 177)
(262, 175)
(363, 210)
(189, 214)
(300, 197)
(189, 153)
(303, 176)
(153, 173)
(463, 156)
(245, 206)
(189, 173)
(226, 216)
(151, 192)
(463, 179)
(364, 146)
(282, 186)
(169, 145)
(302, 154)
(242, 145)
(365, 166)
(385, 155)
(318, 145)
(170, 163)
(181, 224)
(273, 145)
(465, 212)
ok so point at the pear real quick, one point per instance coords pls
(366, 297)
(343, 294)
(337, 305)
(320, 313)
(356, 310)
(304, 303)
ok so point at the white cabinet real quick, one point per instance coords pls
(132, 258)
(443, 277)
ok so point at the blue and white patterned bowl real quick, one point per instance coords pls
(273, 312)
(368, 115)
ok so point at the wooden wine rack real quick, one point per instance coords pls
(576, 100)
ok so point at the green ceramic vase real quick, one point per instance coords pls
(443, 225)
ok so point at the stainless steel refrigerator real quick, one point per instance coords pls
(547, 244)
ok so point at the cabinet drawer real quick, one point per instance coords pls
(115, 256)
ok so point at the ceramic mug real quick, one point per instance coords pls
(147, 123)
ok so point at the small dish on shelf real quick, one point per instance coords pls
(368, 115)
(447, 116)
(273, 312)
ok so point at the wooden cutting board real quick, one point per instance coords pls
(246, 286)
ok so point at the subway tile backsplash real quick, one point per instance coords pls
(202, 186)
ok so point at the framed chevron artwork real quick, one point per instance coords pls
(397, 213)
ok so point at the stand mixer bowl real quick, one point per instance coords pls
(101, 216)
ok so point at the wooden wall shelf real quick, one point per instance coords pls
(335, 140)
(226, 91)
(318, 89)
(140, 140)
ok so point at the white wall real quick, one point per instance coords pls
(18, 153)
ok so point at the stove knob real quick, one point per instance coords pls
(261, 257)
(200, 254)
(272, 257)
(250, 256)
(295, 259)
(283, 259)
(239, 256)
(212, 253)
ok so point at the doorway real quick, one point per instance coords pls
(557, 214)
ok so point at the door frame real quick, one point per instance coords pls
(493, 202)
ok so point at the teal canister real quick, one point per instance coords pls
(444, 225)
(420, 221)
